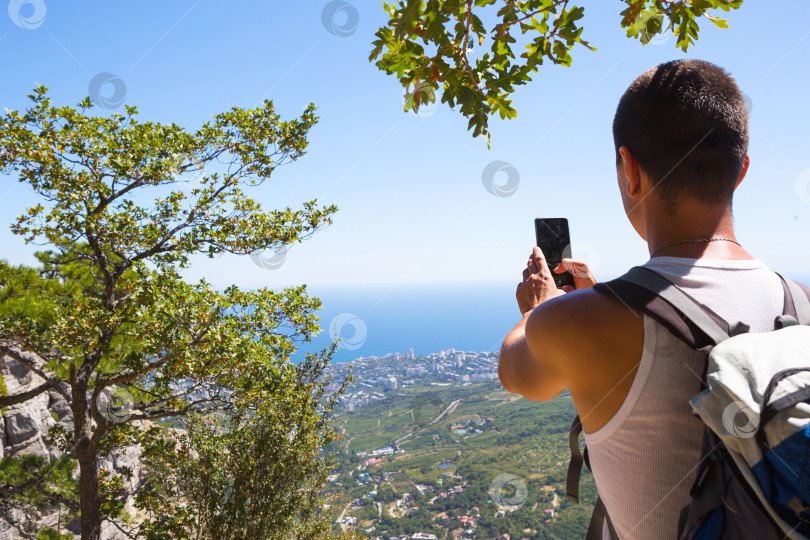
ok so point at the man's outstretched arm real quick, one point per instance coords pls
(530, 361)
(532, 375)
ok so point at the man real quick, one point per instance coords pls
(681, 138)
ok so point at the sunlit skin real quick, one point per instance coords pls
(585, 342)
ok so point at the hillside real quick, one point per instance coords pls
(457, 459)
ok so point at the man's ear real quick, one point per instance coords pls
(746, 162)
(632, 172)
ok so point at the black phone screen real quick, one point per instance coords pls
(555, 241)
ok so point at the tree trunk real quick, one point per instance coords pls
(89, 497)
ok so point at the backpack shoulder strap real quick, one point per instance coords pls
(797, 300)
(651, 293)
(575, 464)
(599, 517)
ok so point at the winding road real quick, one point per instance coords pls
(450, 408)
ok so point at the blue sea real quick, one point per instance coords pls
(373, 320)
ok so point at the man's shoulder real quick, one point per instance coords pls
(584, 319)
(584, 308)
(595, 343)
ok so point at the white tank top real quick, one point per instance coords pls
(645, 458)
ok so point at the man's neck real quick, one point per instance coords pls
(692, 220)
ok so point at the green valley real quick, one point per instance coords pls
(440, 456)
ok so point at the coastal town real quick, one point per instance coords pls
(416, 430)
(375, 377)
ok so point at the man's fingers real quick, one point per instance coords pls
(537, 255)
(576, 267)
(539, 262)
(583, 277)
(531, 264)
(568, 288)
(538, 283)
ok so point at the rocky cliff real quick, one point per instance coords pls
(24, 430)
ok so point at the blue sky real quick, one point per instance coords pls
(412, 204)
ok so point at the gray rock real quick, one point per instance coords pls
(22, 424)
(17, 377)
(34, 446)
(6, 530)
(20, 375)
(3, 441)
(58, 404)
(24, 430)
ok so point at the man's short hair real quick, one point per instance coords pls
(686, 122)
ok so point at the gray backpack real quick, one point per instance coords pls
(753, 477)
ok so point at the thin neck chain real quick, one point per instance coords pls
(679, 242)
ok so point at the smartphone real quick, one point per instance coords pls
(555, 241)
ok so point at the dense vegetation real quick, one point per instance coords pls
(125, 340)
(488, 433)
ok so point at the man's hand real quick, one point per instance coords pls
(583, 277)
(533, 360)
(538, 283)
